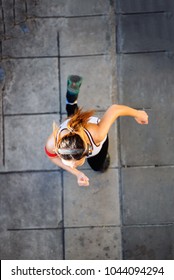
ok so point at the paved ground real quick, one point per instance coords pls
(124, 51)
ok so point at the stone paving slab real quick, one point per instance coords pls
(1, 30)
(148, 195)
(96, 91)
(148, 243)
(2, 82)
(1, 142)
(32, 245)
(141, 6)
(13, 14)
(67, 8)
(137, 34)
(25, 138)
(102, 243)
(20, 11)
(4, 244)
(3, 214)
(96, 205)
(31, 86)
(88, 40)
(39, 41)
(149, 76)
(172, 240)
(151, 144)
(1, 126)
(146, 80)
(8, 12)
(31, 200)
(137, 143)
(85, 36)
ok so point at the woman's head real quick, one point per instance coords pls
(73, 145)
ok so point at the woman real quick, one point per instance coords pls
(84, 136)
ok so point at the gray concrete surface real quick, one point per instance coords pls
(144, 76)
(124, 51)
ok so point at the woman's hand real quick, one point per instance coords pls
(142, 117)
(82, 179)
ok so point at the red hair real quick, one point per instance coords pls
(79, 119)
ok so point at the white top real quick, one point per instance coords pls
(95, 148)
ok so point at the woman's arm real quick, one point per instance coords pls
(113, 112)
(82, 179)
